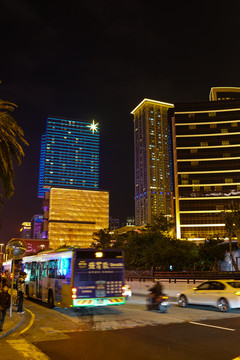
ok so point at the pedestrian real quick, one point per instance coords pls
(21, 291)
(4, 304)
(6, 278)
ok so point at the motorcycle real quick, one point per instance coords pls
(160, 303)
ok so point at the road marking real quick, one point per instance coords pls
(30, 324)
(27, 350)
(213, 326)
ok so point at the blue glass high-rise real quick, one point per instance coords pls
(69, 155)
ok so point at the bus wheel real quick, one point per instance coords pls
(50, 299)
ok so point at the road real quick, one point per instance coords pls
(128, 332)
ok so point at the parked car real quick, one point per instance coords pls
(223, 294)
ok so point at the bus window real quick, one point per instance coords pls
(64, 269)
(33, 271)
(52, 269)
(44, 269)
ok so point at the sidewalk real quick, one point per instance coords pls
(12, 323)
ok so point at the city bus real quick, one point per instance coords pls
(76, 277)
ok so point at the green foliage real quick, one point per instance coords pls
(102, 239)
(161, 223)
(154, 247)
(150, 249)
(10, 137)
(210, 253)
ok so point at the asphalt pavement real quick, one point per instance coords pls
(38, 333)
(12, 323)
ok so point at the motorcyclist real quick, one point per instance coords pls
(156, 291)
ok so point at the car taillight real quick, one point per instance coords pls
(237, 293)
(74, 293)
(165, 297)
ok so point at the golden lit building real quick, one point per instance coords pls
(224, 93)
(206, 144)
(74, 215)
(152, 155)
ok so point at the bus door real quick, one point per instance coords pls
(39, 280)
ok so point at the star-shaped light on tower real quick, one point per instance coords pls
(93, 127)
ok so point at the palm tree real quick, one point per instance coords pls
(11, 135)
(102, 239)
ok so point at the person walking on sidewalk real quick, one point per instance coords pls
(6, 278)
(4, 304)
(21, 291)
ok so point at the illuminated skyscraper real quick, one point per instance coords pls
(206, 147)
(153, 170)
(69, 155)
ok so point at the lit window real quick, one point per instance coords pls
(194, 163)
(229, 180)
(196, 188)
(225, 142)
(192, 126)
(191, 115)
(235, 124)
(213, 126)
(207, 188)
(193, 151)
(224, 131)
(211, 114)
(204, 143)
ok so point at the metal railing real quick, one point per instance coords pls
(174, 276)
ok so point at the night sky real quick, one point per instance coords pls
(98, 60)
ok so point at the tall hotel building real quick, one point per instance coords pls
(152, 155)
(206, 143)
(74, 208)
(69, 155)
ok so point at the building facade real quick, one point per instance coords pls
(69, 155)
(36, 226)
(25, 230)
(72, 216)
(153, 161)
(206, 153)
(224, 93)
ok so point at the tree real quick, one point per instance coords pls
(102, 239)
(161, 223)
(11, 135)
(210, 253)
(232, 222)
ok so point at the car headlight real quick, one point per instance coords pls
(237, 293)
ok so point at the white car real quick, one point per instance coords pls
(223, 294)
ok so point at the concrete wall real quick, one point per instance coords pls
(171, 289)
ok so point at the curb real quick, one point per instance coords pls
(10, 331)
